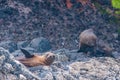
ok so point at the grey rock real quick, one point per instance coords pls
(9, 45)
(11, 68)
(40, 44)
(4, 76)
(106, 2)
(19, 21)
(116, 54)
(2, 58)
(78, 67)
(31, 50)
(65, 54)
(7, 68)
(22, 77)
(119, 37)
(115, 35)
(84, 67)
(18, 53)
(22, 44)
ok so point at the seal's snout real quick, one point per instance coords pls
(53, 57)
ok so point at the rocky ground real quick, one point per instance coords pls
(48, 25)
(26, 20)
(68, 65)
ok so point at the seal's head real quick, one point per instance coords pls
(49, 58)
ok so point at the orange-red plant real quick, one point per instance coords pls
(83, 2)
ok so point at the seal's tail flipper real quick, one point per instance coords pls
(26, 53)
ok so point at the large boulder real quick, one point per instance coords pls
(40, 44)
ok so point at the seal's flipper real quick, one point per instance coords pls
(26, 53)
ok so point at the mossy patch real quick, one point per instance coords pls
(116, 4)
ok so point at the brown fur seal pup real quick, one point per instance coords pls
(36, 60)
(87, 41)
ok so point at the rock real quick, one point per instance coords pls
(106, 2)
(64, 76)
(115, 35)
(62, 58)
(9, 45)
(116, 54)
(40, 44)
(79, 67)
(2, 58)
(4, 13)
(22, 77)
(119, 37)
(66, 55)
(61, 55)
(17, 53)
(31, 50)
(7, 68)
(7, 76)
(71, 66)
(19, 21)
(11, 68)
(47, 76)
(95, 68)
(22, 44)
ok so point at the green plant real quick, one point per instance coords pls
(117, 12)
(116, 4)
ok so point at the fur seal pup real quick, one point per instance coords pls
(32, 60)
(87, 41)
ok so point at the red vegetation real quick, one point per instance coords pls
(83, 2)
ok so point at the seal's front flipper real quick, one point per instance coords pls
(26, 53)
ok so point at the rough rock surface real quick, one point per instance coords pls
(10, 45)
(68, 65)
(26, 20)
(11, 69)
(22, 21)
